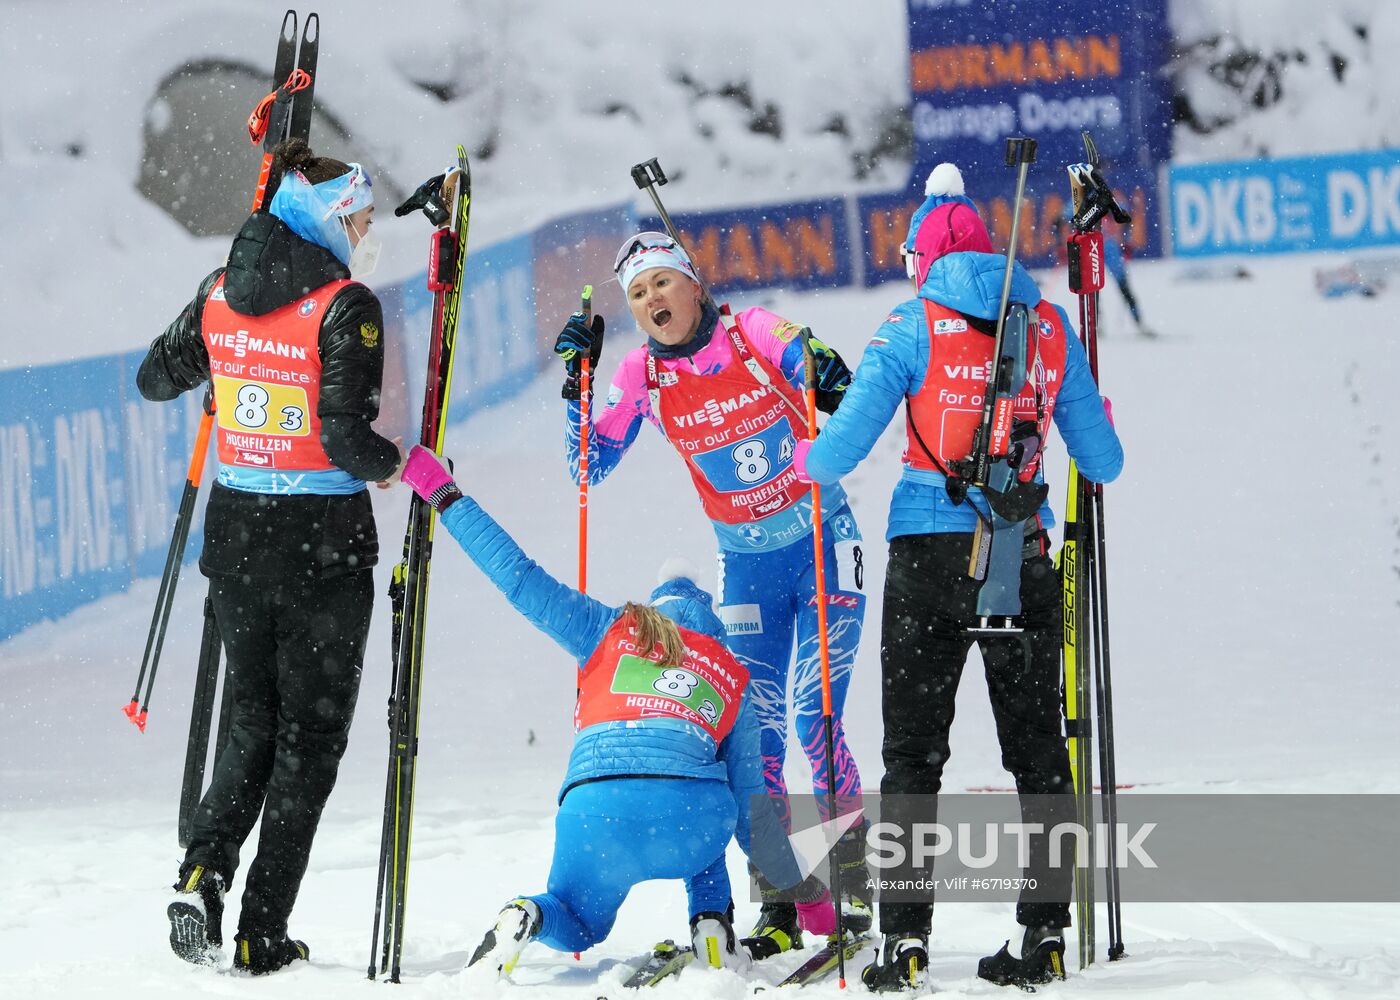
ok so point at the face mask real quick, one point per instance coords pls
(364, 256)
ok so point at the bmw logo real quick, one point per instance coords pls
(753, 534)
(307, 307)
(844, 526)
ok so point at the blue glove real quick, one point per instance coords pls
(577, 339)
(832, 376)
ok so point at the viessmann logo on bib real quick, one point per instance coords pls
(242, 345)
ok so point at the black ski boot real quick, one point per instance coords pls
(261, 955)
(196, 915)
(857, 887)
(775, 931)
(1042, 960)
(899, 965)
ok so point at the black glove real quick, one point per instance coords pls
(428, 198)
(832, 376)
(576, 338)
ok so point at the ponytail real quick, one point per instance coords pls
(295, 154)
(652, 627)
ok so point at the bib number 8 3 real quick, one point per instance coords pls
(260, 407)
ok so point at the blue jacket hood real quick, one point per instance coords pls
(970, 282)
(681, 600)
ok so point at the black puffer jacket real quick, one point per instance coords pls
(260, 535)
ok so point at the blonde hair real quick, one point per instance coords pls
(653, 627)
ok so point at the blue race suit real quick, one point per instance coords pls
(623, 819)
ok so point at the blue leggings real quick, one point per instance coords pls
(764, 598)
(610, 835)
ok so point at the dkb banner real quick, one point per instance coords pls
(1342, 202)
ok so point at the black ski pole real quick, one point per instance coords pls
(165, 598)
(201, 716)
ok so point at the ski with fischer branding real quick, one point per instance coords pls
(665, 960)
(826, 960)
(446, 201)
(1084, 575)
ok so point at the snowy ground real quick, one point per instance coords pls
(1255, 596)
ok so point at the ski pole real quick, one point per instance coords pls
(174, 557)
(585, 392)
(201, 717)
(819, 556)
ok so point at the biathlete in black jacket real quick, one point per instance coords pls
(295, 351)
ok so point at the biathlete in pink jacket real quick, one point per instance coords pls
(726, 392)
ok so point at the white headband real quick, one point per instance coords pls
(646, 258)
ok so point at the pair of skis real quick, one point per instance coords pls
(1083, 564)
(446, 201)
(667, 960)
(282, 114)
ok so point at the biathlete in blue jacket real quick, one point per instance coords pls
(726, 393)
(660, 699)
(931, 357)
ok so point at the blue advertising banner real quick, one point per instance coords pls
(884, 218)
(805, 244)
(574, 251)
(984, 70)
(496, 353)
(1341, 202)
(63, 510)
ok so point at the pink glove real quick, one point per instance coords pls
(1108, 412)
(818, 916)
(425, 473)
(799, 460)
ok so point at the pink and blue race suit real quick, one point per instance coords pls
(734, 412)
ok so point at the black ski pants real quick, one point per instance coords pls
(929, 604)
(295, 651)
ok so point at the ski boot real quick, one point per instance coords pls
(196, 915)
(712, 937)
(899, 965)
(857, 886)
(776, 930)
(1042, 960)
(261, 955)
(516, 925)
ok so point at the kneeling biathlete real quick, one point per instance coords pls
(665, 762)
